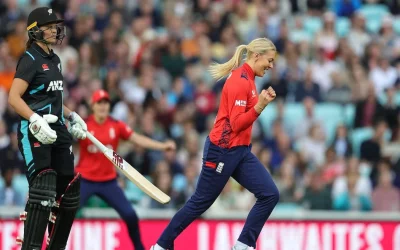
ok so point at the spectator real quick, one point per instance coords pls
(386, 197)
(368, 110)
(4, 138)
(383, 76)
(341, 144)
(371, 149)
(312, 147)
(10, 156)
(340, 92)
(308, 88)
(391, 110)
(8, 195)
(317, 194)
(352, 191)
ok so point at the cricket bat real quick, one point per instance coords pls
(130, 172)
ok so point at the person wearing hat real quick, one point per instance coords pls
(45, 142)
(99, 176)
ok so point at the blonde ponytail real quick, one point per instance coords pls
(258, 45)
(219, 71)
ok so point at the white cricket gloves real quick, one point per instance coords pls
(40, 129)
(77, 126)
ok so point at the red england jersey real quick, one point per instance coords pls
(93, 165)
(236, 112)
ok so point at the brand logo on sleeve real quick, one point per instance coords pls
(240, 103)
(45, 67)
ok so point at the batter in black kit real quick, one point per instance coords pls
(44, 140)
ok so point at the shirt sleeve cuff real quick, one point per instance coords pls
(255, 113)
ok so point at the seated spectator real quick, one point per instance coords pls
(10, 156)
(386, 197)
(317, 194)
(312, 147)
(391, 110)
(9, 196)
(333, 167)
(339, 93)
(368, 110)
(352, 191)
(341, 144)
(308, 88)
(4, 138)
(162, 179)
(371, 149)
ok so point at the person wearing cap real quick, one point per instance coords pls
(44, 140)
(99, 176)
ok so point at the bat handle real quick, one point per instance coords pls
(96, 142)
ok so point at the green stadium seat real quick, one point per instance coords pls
(1, 182)
(312, 25)
(132, 192)
(373, 14)
(267, 117)
(20, 184)
(349, 114)
(343, 26)
(96, 202)
(293, 113)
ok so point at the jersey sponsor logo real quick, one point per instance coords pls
(94, 150)
(55, 85)
(253, 93)
(240, 103)
(112, 133)
(50, 11)
(36, 144)
(45, 67)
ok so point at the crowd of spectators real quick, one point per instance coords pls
(331, 139)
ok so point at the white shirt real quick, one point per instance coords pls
(383, 79)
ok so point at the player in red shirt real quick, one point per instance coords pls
(99, 176)
(227, 150)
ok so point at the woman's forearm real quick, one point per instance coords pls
(20, 106)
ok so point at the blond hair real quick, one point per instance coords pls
(259, 45)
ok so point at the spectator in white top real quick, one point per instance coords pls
(322, 68)
(358, 38)
(383, 76)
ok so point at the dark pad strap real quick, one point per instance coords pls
(63, 217)
(42, 194)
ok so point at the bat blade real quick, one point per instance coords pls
(132, 174)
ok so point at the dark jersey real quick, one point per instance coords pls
(42, 72)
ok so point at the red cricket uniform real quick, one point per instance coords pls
(236, 112)
(93, 165)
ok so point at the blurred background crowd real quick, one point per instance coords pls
(331, 139)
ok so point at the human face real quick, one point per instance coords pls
(264, 62)
(101, 109)
(50, 33)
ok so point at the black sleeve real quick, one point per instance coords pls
(25, 69)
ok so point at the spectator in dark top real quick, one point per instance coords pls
(317, 194)
(10, 156)
(308, 88)
(341, 143)
(8, 195)
(173, 60)
(392, 110)
(368, 110)
(371, 148)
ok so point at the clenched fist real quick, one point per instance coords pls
(266, 96)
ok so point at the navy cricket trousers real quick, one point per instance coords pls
(218, 166)
(111, 193)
